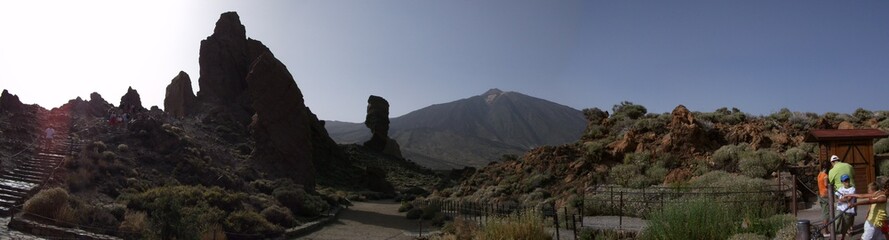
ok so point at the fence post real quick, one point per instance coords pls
(574, 225)
(566, 216)
(556, 219)
(621, 212)
(794, 195)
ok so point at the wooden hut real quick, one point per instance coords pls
(853, 146)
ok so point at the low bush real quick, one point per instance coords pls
(759, 164)
(431, 210)
(300, 202)
(280, 216)
(796, 156)
(249, 222)
(528, 226)
(405, 206)
(697, 219)
(50, 203)
(748, 236)
(726, 158)
(414, 214)
(884, 168)
(123, 148)
(881, 146)
(98, 217)
(134, 225)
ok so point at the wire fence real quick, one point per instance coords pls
(611, 200)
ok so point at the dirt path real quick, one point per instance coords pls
(371, 220)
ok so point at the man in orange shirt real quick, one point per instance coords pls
(822, 193)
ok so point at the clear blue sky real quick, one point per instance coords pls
(759, 56)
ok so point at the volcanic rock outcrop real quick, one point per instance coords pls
(10, 102)
(225, 58)
(377, 121)
(95, 107)
(179, 99)
(243, 84)
(281, 124)
(131, 102)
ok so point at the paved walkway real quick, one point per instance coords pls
(371, 220)
(5, 233)
(814, 216)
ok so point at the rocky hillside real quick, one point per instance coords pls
(634, 148)
(476, 130)
(245, 157)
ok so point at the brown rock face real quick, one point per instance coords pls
(378, 121)
(131, 102)
(225, 59)
(846, 125)
(10, 103)
(684, 132)
(281, 126)
(95, 107)
(180, 98)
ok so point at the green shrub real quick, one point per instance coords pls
(300, 202)
(430, 211)
(697, 219)
(884, 124)
(50, 203)
(727, 157)
(97, 217)
(788, 232)
(759, 164)
(134, 225)
(884, 168)
(796, 155)
(629, 110)
(622, 174)
(405, 206)
(414, 214)
(184, 212)
(279, 215)
(881, 146)
(594, 150)
(527, 226)
(782, 115)
(748, 236)
(861, 115)
(250, 222)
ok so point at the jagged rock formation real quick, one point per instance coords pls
(225, 58)
(179, 99)
(95, 107)
(131, 102)
(684, 133)
(377, 121)
(281, 124)
(10, 102)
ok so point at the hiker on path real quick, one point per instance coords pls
(876, 215)
(823, 194)
(845, 211)
(49, 133)
(839, 168)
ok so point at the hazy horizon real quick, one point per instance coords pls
(758, 56)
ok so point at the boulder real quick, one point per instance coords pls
(95, 107)
(10, 102)
(131, 102)
(179, 99)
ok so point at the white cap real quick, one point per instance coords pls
(834, 158)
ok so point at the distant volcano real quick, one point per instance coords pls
(476, 130)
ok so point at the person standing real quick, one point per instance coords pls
(823, 194)
(839, 168)
(876, 214)
(845, 211)
(49, 133)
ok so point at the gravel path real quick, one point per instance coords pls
(371, 220)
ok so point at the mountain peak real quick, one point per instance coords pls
(492, 95)
(492, 91)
